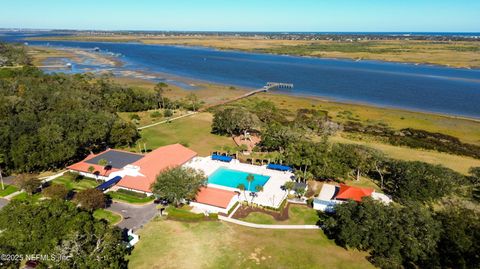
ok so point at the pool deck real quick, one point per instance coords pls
(272, 194)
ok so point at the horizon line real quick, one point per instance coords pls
(229, 31)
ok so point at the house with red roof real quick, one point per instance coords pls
(331, 195)
(215, 200)
(140, 175)
(137, 171)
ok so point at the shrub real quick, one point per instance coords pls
(132, 193)
(155, 114)
(56, 191)
(167, 113)
(233, 208)
(213, 216)
(134, 117)
(91, 199)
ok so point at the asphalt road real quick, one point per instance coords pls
(134, 216)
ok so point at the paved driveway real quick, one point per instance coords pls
(3, 202)
(134, 216)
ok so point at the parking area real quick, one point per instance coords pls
(134, 216)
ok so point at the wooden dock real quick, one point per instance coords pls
(266, 88)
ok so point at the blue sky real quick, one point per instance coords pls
(245, 15)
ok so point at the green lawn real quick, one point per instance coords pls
(24, 196)
(109, 216)
(72, 185)
(216, 244)
(193, 131)
(9, 189)
(297, 214)
(130, 198)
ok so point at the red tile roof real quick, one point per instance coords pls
(353, 193)
(214, 197)
(155, 162)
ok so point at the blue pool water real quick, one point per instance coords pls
(232, 178)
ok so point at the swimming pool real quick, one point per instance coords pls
(232, 178)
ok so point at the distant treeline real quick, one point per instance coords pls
(290, 35)
(416, 139)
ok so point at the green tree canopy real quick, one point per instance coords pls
(90, 199)
(59, 228)
(234, 121)
(419, 181)
(176, 184)
(394, 236)
(57, 191)
(28, 182)
(278, 137)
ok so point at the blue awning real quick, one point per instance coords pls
(107, 184)
(279, 167)
(221, 158)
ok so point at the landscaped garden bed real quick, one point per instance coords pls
(130, 196)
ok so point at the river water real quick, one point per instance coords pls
(417, 87)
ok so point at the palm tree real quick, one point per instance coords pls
(242, 188)
(104, 163)
(289, 186)
(258, 188)
(250, 179)
(91, 169)
(2, 160)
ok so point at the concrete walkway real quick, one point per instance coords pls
(50, 178)
(235, 210)
(269, 226)
(165, 121)
(11, 195)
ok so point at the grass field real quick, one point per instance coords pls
(458, 163)
(9, 189)
(193, 131)
(123, 197)
(297, 214)
(467, 130)
(109, 216)
(449, 53)
(147, 118)
(72, 185)
(214, 244)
